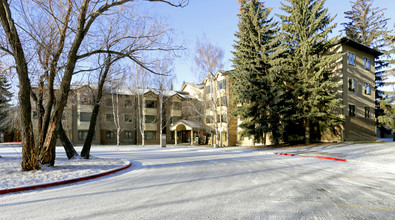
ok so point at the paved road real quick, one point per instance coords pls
(236, 183)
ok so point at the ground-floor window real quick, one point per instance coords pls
(128, 135)
(82, 135)
(149, 135)
(109, 135)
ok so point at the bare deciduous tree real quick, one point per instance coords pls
(75, 22)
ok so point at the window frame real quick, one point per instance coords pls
(367, 89)
(149, 132)
(351, 110)
(366, 63)
(367, 112)
(110, 135)
(351, 58)
(85, 113)
(351, 84)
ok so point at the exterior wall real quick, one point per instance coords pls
(358, 127)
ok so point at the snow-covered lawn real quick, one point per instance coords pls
(12, 177)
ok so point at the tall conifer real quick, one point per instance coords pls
(5, 98)
(309, 64)
(253, 85)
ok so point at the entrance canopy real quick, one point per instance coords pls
(190, 125)
(184, 125)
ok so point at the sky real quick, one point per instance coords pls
(217, 20)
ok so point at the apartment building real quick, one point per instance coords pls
(133, 114)
(356, 76)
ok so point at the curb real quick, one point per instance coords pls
(63, 182)
(317, 157)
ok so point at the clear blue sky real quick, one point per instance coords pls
(218, 21)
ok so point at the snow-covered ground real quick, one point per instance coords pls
(186, 182)
(12, 177)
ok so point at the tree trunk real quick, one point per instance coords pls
(29, 153)
(67, 145)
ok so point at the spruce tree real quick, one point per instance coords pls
(253, 85)
(5, 98)
(309, 65)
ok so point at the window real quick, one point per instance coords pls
(366, 63)
(351, 110)
(367, 112)
(208, 90)
(223, 101)
(109, 135)
(108, 102)
(109, 117)
(221, 118)
(351, 84)
(151, 104)
(83, 134)
(149, 135)
(128, 118)
(85, 116)
(128, 103)
(128, 135)
(351, 58)
(176, 105)
(150, 119)
(367, 88)
(222, 84)
(174, 119)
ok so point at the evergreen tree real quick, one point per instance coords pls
(368, 26)
(5, 98)
(309, 65)
(253, 85)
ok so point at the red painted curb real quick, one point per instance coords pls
(329, 158)
(25, 188)
(318, 157)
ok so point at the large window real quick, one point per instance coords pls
(128, 135)
(149, 135)
(109, 135)
(151, 104)
(351, 84)
(151, 119)
(351, 110)
(367, 112)
(366, 63)
(82, 135)
(128, 118)
(109, 117)
(222, 84)
(367, 88)
(351, 58)
(85, 116)
(222, 101)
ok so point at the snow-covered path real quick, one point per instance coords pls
(229, 183)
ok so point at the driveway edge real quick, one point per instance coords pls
(63, 182)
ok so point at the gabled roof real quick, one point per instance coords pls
(359, 46)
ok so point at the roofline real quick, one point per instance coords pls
(352, 43)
